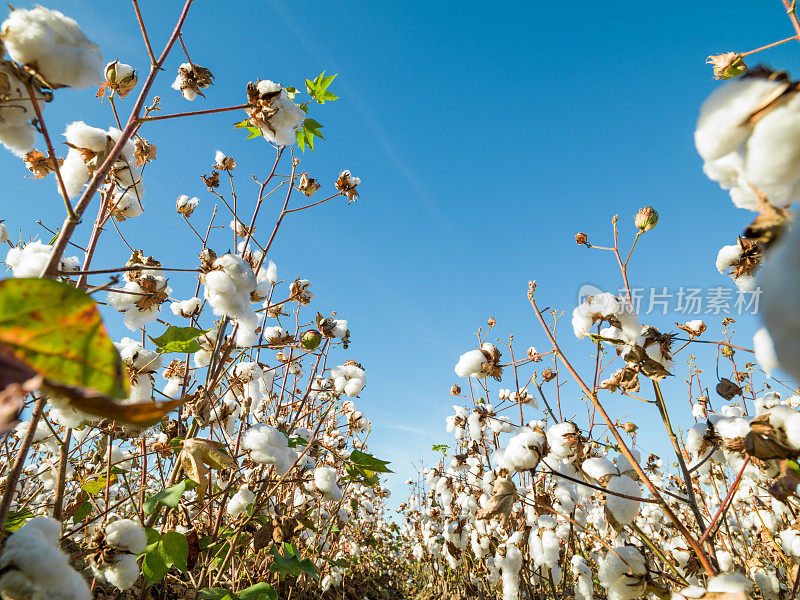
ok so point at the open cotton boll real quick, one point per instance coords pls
(31, 259)
(765, 351)
(718, 129)
(19, 139)
(726, 256)
(32, 565)
(55, 45)
(509, 565)
(268, 446)
(773, 152)
(623, 510)
(137, 312)
(622, 572)
(16, 132)
(348, 379)
(470, 364)
(561, 440)
(127, 535)
(326, 482)
(186, 308)
(79, 134)
(780, 282)
(599, 468)
(730, 583)
(240, 501)
(583, 588)
(524, 450)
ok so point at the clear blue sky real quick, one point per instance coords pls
(486, 135)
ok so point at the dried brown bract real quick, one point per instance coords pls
(40, 164)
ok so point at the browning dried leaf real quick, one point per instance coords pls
(504, 494)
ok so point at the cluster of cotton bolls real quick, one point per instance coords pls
(565, 491)
(228, 289)
(473, 505)
(54, 47)
(117, 549)
(29, 260)
(33, 566)
(280, 447)
(88, 148)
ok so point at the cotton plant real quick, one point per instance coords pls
(267, 425)
(567, 490)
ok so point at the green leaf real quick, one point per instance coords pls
(217, 593)
(169, 496)
(17, 518)
(154, 568)
(83, 511)
(300, 135)
(369, 463)
(174, 550)
(313, 127)
(56, 330)
(291, 92)
(309, 568)
(179, 339)
(259, 591)
(95, 486)
(318, 89)
(251, 129)
(163, 552)
(295, 440)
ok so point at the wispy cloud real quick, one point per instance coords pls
(367, 116)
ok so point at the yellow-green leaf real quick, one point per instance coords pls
(57, 330)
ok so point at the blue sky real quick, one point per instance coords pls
(485, 136)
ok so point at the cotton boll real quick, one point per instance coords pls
(599, 469)
(561, 440)
(780, 281)
(240, 501)
(85, 136)
(123, 573)
(792, 428)
(32, 565)
(470, 364)
(55, 45)
(138, 314)
(74, 173)
(731, 583)
(767, 582)
(773, 152)
(622, 572)
(326, 482)
(186, 308)
(524, 450)
(623, 510)
(127, 535)
(509, 565)
(268, 446)
(718, 129)
(30, 260)
(19, 139)
(583, 588)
